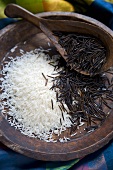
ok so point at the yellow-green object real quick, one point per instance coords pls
(37, 6)
(111, 1)
(81, 6)
(3, 4)
(34, 6)
(57, 5)
(89, 1)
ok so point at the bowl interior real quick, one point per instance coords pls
(27, 37)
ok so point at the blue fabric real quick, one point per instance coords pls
(111, 23)
(102, 11)
(100, 160)
(6, 21)
(108, 153)
(10, 160)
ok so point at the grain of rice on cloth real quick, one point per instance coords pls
(29, 98)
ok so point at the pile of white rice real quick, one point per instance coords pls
(28, 97)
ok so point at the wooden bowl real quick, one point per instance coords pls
(80, 146)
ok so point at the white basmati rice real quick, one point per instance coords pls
(29, 99)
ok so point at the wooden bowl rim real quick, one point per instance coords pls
(61, 151)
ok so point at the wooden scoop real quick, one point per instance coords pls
(48, 26)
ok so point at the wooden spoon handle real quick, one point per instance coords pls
(15, 11)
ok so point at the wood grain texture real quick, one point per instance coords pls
(80, 146)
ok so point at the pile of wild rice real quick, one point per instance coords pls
(84, 52)
(89, 99)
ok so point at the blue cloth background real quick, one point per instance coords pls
(102, 11)
(100, 160)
